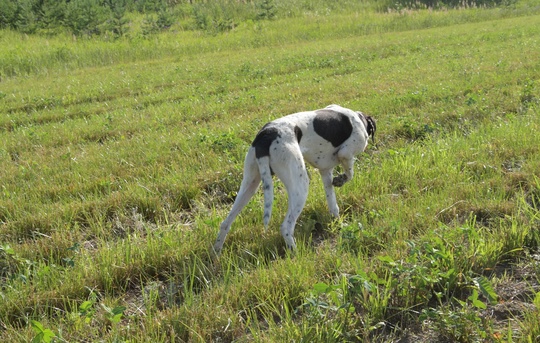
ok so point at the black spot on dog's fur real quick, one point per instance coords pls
(333, 126)
(298, 133)
(264, 138)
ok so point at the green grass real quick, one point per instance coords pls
(120, 159)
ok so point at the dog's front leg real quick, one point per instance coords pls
(327, 180)
(348, 166)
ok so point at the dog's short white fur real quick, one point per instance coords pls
(324, 138)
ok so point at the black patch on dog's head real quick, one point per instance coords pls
(264, 138)
(333, 126)
(298, 133)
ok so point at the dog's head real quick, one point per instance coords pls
(371, 125)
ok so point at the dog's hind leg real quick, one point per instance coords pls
(327, 180)
(292, 172)
(268, 188)
(250, 183)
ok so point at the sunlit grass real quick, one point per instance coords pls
(119, 160)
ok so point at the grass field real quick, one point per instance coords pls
(120, 159)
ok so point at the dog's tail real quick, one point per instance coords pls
(268, 187)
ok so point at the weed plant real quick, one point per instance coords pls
(121, 157)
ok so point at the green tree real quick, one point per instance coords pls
(25, 19)
(8, 12)
(85, 16)
(267, 10)
(117, 22)
(51, 13)
(163, 21)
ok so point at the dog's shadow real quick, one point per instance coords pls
(314, 227)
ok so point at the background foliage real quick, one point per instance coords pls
(95, 17)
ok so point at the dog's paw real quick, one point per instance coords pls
(339, 180)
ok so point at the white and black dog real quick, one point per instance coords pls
(324, 138)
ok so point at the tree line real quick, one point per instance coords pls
(81, 16)
(97, 17)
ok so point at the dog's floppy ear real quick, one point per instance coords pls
(371, 127)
